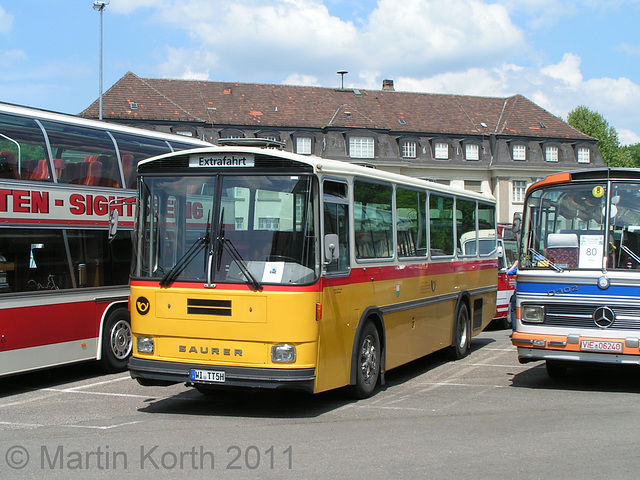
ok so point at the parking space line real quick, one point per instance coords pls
(106, 394)
(95, 384)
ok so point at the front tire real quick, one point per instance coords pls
(367, 361)
(117, 341)
(461, 334)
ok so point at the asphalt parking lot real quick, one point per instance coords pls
(485, 416)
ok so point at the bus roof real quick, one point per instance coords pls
(20, 110)
(330, 167)
(587, 175)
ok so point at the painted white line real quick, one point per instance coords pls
(106, 394)
(92, 427)
(90, 385)
(105, 427)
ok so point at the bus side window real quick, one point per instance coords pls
(336, 221)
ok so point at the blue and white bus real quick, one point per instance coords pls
(578, 288)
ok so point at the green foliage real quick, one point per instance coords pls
(594, 125)
(634, 153)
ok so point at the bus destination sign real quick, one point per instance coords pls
(221, 160)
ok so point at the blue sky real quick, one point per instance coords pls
(558, 53)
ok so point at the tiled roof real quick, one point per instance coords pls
(288, 106)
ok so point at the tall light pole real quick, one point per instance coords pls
(100, 5)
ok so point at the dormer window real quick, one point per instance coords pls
(472, 151)
(409, 149)
(303, 145)
(441, 150)
(583, 154)
(551, 153)
(361, 146)
(519, 152)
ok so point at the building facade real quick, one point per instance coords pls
(492, 145)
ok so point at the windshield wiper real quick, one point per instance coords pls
(251, 280)
(184, 260)
(538, 257)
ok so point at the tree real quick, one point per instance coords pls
(594, 125)
(634, 153)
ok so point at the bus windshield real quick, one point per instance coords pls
(582, 226)
(228, 228)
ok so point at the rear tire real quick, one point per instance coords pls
(556, 370)
(117, 341)
(461, 334)
(367, 361)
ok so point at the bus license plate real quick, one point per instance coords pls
(207, 376)
(597, 346)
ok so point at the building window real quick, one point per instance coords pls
(584, 155)
(519, 152)
(519, 189)
(361, 147)
(231, 133)
(303, 145)
(271, 224)
(551, 154)
(473, 185)
(409, 149)
(472, 151)
(441, 150)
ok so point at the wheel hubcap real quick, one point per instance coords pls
(368, 359)
(121, 339)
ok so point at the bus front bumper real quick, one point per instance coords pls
(161, 373)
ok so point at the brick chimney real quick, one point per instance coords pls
(387, 86)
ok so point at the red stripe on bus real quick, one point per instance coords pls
(362, 274)
(35, 326)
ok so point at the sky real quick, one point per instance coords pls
(558, 53)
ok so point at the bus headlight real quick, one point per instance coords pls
(144, 344)
(532, 314)
(283, 353)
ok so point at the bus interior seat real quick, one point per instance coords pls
(41, 171)
(59, 166)
(94, 174)
(562, 249)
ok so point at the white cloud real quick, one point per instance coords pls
(445, 46)
(567, 71)
(627, 137)
(6, 21)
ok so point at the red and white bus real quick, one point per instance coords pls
(63, 285)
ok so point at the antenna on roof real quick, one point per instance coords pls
(342, 73)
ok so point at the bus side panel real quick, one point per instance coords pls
(44, 335)
(340, 316)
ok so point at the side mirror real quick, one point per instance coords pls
(331, 249)
(113, 224)
(517, 223)
(500, 251)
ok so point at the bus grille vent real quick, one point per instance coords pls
(220, 308)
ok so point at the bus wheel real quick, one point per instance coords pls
(555, 369)
(116, 341)
(461, 334)
(367, 362)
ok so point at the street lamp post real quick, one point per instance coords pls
(100, 5)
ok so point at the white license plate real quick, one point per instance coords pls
(207, 376)
(598, 346)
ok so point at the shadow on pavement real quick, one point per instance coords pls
(592, 378)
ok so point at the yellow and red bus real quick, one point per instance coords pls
(261, 268)
(63, 285)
